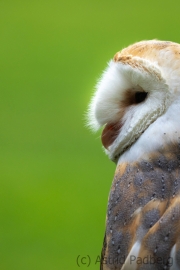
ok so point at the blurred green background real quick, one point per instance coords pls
(54, 176)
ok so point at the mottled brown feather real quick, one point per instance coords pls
(153, 187)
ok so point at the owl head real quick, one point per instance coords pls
(137, 100)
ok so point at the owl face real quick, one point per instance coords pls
(131, 95)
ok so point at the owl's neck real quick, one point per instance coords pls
(159, 137)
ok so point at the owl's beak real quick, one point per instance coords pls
(110, 133)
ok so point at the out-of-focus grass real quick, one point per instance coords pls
(54, 177)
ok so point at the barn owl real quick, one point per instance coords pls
(137, 102)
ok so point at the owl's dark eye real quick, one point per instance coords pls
(140, 97)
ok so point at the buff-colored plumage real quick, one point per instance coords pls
(138, 103)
